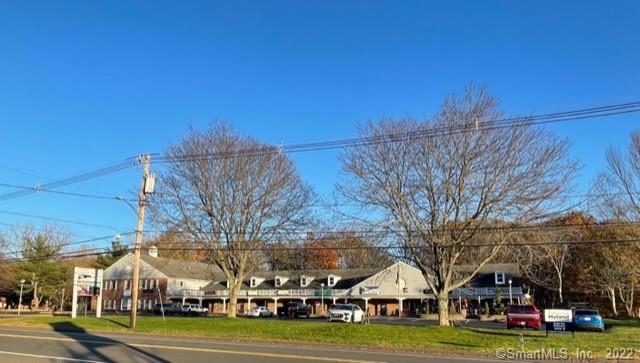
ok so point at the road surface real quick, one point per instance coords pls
(37, 346)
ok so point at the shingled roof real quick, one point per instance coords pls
(181, 268)
(348, 278)
(508, 268)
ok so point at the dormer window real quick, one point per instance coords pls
(500, 278)
(332, 280)
(303, 281)
(253, 282)
(280, 280)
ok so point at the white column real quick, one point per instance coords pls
(74, 301)
(248, 304)
(304, 300)
(366, 304)
(275, 306)
(99, 273)
(400, 308)
(224, 305)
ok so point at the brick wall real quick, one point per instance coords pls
(113, 299)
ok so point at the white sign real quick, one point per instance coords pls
(87, 282)
(371, 289)
(558, 316)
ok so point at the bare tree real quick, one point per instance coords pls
(542, 257)
(615, 194)
(359, 249)
(289, 255)
(615, 274)
(231, 194)
(6, 272)
(542, 262)
(444, 181)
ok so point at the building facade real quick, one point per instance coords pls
(398, 288)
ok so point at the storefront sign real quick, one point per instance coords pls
(87, 282)
(559, 320)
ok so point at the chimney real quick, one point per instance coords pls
(153, 251)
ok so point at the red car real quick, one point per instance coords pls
(524, 316)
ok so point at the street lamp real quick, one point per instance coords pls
(20, 299)
(510, 295)
(322, 296)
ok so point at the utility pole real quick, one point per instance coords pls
(146, 187)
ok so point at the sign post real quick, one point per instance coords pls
(559, 321)
(87, 282)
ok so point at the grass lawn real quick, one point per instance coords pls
(623, 334)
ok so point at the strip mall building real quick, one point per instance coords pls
(380, 291)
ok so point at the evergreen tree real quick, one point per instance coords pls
(43, 275)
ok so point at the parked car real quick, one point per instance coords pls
(193, 310)
(524, 316)
(588, 319)
(348, 313)
(260, 312)
(169, 309)
(295, 310)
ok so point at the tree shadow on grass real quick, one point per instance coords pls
(458, 344)
(93, 346)
(509, 333)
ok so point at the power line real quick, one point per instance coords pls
(402, 247)
(63, 245)
(13, 225)
(600, 111)
(593, 112)
(378, 231)
(57, 219)
(73, 179)
(37, 189)
(18, 171)
(96, 251)
(127, 248)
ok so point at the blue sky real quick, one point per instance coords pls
(85, 84)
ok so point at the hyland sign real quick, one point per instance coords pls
(559, 320)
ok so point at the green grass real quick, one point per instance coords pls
(623, 334)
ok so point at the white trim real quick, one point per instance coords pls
(334, 278)
(305, 280)
(279, 280)
(255, 281)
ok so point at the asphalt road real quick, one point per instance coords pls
(27, 346)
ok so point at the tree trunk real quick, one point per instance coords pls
(611, 292)
(560, 287)
(443, 309)
(34, 301)
(627, 299)
(232, 309)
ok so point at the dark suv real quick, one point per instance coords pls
(169, 309)
(295, 310)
